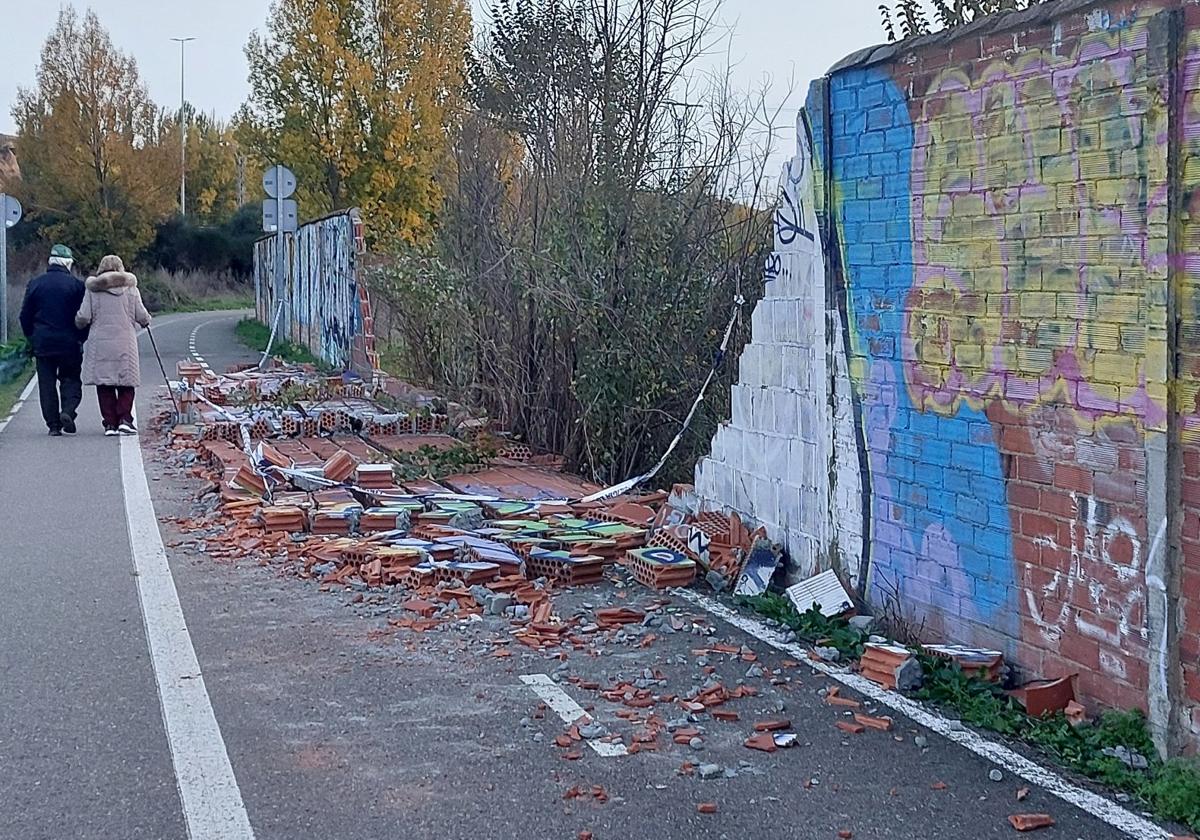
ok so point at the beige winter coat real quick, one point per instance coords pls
(112, 306)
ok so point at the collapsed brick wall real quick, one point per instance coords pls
(326, 308)
(1011, 214)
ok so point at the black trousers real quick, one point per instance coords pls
(55, 374)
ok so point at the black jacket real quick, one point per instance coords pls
(48, 313)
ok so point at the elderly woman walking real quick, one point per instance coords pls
(111, 307)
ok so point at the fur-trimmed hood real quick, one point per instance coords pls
(112, 281)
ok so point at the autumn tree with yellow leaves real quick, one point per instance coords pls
(96, 173)
(358, 97)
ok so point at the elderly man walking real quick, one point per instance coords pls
(48, 321)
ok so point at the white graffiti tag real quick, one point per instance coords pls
(1101, 593)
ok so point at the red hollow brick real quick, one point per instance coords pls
(1073, 477)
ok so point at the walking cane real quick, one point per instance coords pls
(163, 368)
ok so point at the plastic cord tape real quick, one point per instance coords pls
(274, 331)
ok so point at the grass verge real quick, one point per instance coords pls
(11, 391)
(255, 335)
(1170, 790)
(15, 370)
(215, 304)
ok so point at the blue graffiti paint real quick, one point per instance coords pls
(939, 520)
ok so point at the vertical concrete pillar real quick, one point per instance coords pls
(1163, 504)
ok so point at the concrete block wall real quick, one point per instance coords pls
(772, 462)
(1008, 426)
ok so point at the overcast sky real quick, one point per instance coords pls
(773, 40)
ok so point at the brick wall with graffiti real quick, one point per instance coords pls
(1010, 221)
(326, 307)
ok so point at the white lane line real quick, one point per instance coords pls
(1103, 809)
(570, 711)
(193, 341)
(20, 402)
(212, 801)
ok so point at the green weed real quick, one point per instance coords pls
(255, 335)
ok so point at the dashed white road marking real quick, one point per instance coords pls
(212, 802)
(570, 711)
(192, 344)
(1102, 809)
(25, 394)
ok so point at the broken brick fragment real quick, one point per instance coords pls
(851, 728)
(844, 834)
(775, 725)
(844, 702)
(707, 807)
(763, 742)
(883, 724)
(1031, 822)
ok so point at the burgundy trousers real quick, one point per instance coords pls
(116, 405)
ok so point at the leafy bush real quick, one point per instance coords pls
(181, 245)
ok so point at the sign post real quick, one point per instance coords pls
(280, 216)
(10, 214)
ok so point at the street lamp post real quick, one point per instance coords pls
(182, 128)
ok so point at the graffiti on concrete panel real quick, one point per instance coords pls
(791, 219)
(325, 307)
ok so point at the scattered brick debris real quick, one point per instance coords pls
(619, 616)
(724, 715)
(1031, 822)
(845, 835)
(1045, 697)
(1076, 714)
(851, 728)
(883, 724)
(883, 663)
(776, 725)
(939, 786)
(707, 807)
(974, 662)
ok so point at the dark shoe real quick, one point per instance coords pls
(68, 423)
(56, 433)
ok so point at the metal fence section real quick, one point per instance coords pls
(326, 307)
